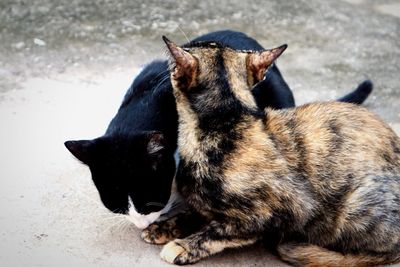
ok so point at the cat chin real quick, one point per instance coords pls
(174, 205)
(141, 221)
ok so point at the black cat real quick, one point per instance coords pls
(133, 163)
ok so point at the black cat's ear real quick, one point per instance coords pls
(259, 62)
(185, 65)
(156, 142)
(80, 149)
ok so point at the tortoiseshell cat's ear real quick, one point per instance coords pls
(185, 65)
(156, 142)
(80, 149)
(259, 62)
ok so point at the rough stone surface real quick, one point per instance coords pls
(65, 65)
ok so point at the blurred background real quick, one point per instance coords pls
(65, 66)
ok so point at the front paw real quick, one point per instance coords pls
(176, 254)
(159, 234)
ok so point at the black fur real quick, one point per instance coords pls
(120, 158)
(359, 95)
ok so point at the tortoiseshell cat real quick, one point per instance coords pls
(325, 176)
(133, 165)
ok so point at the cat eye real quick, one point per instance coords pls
(152, 207)
(154, 204)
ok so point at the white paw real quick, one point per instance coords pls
(170, 251)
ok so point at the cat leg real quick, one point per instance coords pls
(212, 239)
(178, 226)
(302, 254)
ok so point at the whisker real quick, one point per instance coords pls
(184, 34)
(163, 79)
(110, 227)
(120, 225)
(126, 226)
(161, 74)
(178, 204)
(113, 217)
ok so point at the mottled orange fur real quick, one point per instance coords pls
(324, 177)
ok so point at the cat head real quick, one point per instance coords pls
(209, 72)
(133, 175)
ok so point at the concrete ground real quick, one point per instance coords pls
(65, 65)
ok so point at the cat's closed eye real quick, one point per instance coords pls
(154, 204)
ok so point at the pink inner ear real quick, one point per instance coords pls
(261, 61)
(154, 147)
(258, 64)
(156, 143)
(182, 58)
(185, 62)
(185, 65)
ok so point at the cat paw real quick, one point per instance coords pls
(153, 235)
(176, 254)
(159, 234)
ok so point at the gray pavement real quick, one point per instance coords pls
(65, 65)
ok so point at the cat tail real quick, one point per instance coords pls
(359, 95)
(300, 254)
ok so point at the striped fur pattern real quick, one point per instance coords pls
(323, 177)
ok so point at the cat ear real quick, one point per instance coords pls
(80, 149)
(156, 142)
(259, 62)
(185, 65)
